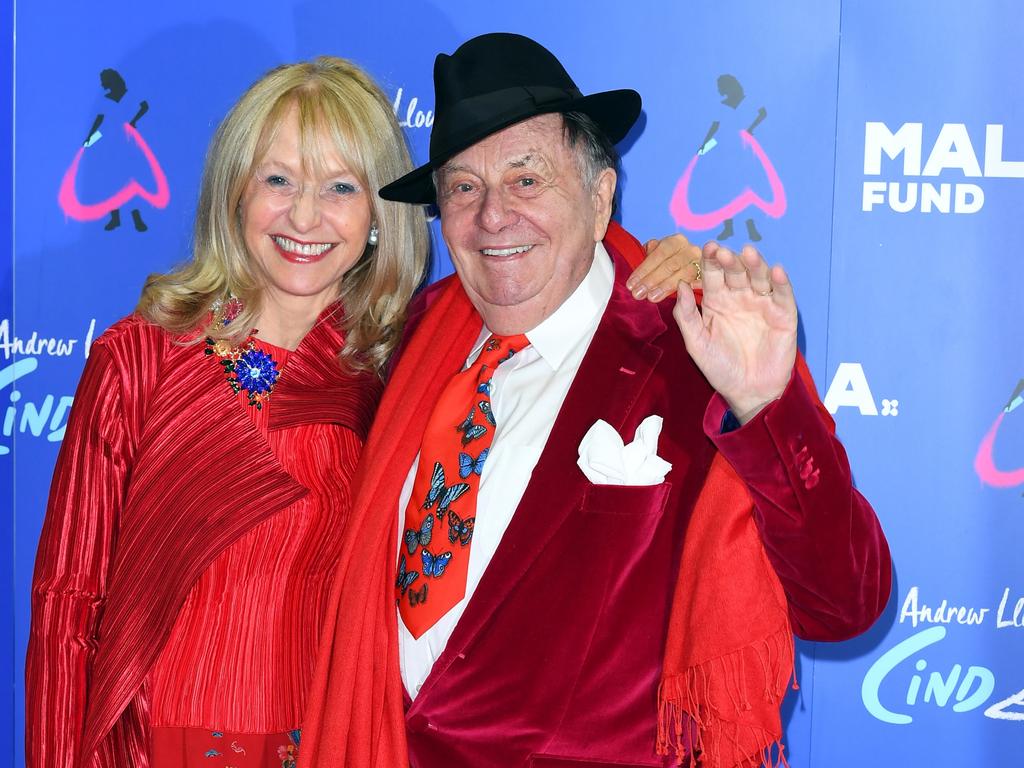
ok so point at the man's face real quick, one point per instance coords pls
(519, 223)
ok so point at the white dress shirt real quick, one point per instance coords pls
(527, 393)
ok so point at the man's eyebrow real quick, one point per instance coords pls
(526, 161)
(452, 168)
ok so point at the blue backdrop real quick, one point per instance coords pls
(875, 148)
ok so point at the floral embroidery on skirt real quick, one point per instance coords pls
(202, 748)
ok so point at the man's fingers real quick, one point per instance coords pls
(735, 273)
(757, 270)
(688, 318)
(712, 273)
(782, 289)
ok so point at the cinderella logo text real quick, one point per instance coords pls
(37, 417)
(922, 671)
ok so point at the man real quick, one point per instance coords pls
(561, 599)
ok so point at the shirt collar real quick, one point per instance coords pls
(576, 319)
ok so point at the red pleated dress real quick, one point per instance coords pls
(230, 685)
(181, 575)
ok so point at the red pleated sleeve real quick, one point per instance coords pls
(72, 565)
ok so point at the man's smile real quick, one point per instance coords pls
(513, 251)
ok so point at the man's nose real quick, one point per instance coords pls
(495, 214)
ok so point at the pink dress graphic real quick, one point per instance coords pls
(737, 164)
(90, 210)
(984, 461)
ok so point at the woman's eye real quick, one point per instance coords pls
(276, 181)
(342, 188)
(527, 181)
(464, 186)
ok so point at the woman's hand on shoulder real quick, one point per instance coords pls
(669, 261)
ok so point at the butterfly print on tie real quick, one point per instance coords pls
(468, 465)
(469, 430)
(485, 409)
(414, 539)
(405, 578)
(417, 596)
(460, 530)
(434, 565)
(441, 492)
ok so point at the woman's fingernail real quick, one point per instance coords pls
(656, 295)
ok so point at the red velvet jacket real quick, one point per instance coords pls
(160, 470)
(557, 658)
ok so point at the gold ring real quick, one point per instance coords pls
(769, 292)
(696, 266)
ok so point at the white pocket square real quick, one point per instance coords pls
(606, 460)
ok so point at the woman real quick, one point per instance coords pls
(198, 497)
(191, 526)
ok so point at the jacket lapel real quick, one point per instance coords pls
(617, 365)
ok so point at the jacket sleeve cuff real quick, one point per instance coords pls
(779, 429)
(821, 536)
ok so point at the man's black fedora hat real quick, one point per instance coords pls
(494, 81)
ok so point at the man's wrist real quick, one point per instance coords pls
(744, 412)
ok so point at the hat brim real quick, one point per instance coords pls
(615, 112)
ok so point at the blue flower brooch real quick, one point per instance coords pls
(245, 367)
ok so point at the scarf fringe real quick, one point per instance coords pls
(715, 730)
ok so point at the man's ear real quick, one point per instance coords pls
(604, 198)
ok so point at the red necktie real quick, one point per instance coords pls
(439, 520)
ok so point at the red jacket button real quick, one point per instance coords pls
(807, 469)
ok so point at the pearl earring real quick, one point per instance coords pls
(374, 235)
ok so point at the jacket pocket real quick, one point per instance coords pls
(626, 499)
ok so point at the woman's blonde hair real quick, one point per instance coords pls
(336, 100)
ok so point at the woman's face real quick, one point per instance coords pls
(303, 229)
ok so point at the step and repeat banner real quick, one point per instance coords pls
(874, 148)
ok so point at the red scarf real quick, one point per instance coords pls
(729, 656)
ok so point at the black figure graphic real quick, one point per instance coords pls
(732, 92)
(115, 88)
